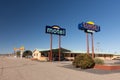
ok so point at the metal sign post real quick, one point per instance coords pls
(50, 47)
(93, 55)
(87, 37)
(21, 53)
(59, 47)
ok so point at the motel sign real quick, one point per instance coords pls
(55, 30)
(88, 27)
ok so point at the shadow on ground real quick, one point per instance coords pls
(93, 71)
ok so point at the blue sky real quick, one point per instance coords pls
(23, 22)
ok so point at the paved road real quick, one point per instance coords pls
(25, 69)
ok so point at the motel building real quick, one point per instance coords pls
(68, 55)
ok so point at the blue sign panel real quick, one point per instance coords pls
(87, 26)
(55, 30)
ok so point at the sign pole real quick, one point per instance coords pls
(21, 54)
(93, 55)
(59, 47)
(50, 47)
(87, 43)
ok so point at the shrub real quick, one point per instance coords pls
(83, 61)
(98, 61)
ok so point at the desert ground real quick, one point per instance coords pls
(12, 68)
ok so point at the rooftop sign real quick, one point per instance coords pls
(89, 27)
(55, 30)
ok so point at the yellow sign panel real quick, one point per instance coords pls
(56, 27)
(90, 22)
(22, 48)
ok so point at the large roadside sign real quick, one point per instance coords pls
(55, 30)
(89, 26)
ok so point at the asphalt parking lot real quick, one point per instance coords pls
(24, 69)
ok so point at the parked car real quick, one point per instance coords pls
(28, 56)
(61, 58)
(117, 58)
